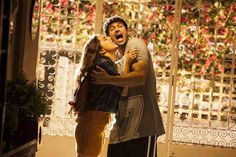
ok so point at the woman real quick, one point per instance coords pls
(101, 100)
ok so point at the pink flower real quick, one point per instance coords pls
(223, 31)
(203, 70)
(87, 6)
(209, 60)
(220, 47)
(153, 36)
(234, 18)
(184, 19)
(166, 7)
(220, 23)
(220, 67)
(165, 27)
(45, 18)
(151, 16)
(63, 2)
(170, 19)
(93, 8)
(207, 63)
(168, 40)
(205, 30)
(49, 6)
(145, 40)
(195, 53)
(207, 18)
(44, 28)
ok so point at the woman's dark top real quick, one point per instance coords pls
(104, 97)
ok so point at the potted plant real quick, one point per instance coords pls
(25, 106)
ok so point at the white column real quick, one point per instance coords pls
(99, 16)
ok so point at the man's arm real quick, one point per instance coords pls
(136, 77)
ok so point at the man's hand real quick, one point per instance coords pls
(99, 76)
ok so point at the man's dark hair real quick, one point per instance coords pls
(111, 20)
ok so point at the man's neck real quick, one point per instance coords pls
(121, 49)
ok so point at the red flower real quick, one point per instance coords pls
(153, 36)
(234, 18)
(223, 31)
(145, 40)
(170, 19)
(93, 9)
(220, 23)
(220, 67)
(184, 19)
(207, 18)
(63, 2)
(87, 6)
(49, 6)
(166, 7)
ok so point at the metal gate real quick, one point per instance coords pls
(193, 46)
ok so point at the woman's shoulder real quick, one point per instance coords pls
(105, 61)
(107, 64)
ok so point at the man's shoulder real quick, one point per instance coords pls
(140, 45)
(136, 43)
(135, 40)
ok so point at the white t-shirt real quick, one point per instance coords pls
(138, 114)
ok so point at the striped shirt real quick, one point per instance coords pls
(104, 97)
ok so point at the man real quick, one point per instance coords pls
(138, 121)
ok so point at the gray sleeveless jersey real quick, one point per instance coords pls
(138, 114)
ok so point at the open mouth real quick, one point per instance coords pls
(119, 36)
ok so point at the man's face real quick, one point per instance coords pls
(118, 33)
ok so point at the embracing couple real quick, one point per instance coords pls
(120, 89)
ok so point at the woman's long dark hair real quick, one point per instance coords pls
(92, 47)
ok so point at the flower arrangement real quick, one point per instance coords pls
(207, 35)
(207, 30)
(67, 22)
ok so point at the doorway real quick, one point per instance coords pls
(192, 43)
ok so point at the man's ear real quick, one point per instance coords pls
(131, 32)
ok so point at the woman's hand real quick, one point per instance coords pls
(131, 56)
(99, 76)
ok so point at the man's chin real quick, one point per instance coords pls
(120, 43)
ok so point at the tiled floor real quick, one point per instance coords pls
(56, 146)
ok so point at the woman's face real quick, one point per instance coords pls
(107, 44)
